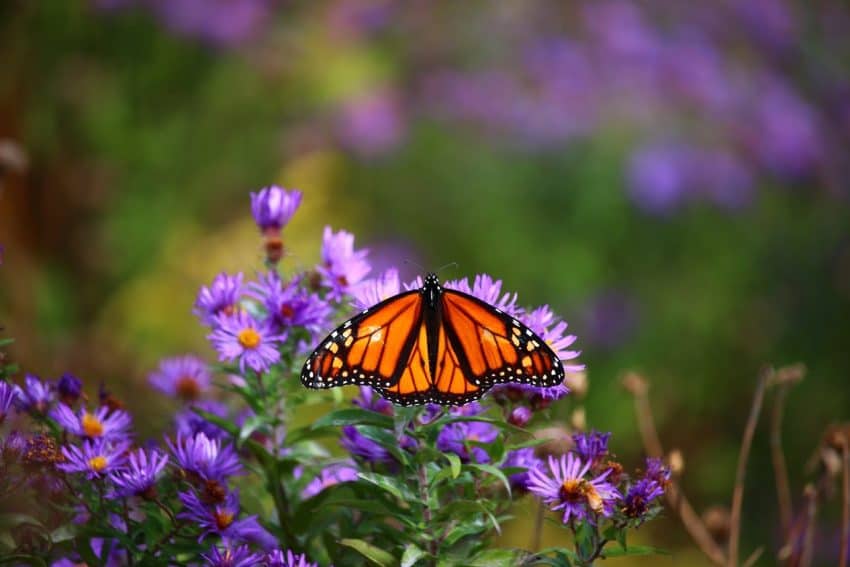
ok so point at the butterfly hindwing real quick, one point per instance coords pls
(372, 348)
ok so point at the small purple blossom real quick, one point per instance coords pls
(565, 487)
(187, 422)
(290, 305)
(100, 424)
(657, 471)
(329, 476)
(186, 377)
(278, 558)
(639, 498)
(243, 338)
(35, 397)
(221, 297)
(94, 458)
(205, 457)
(526, 459)
(520, 416)
(591, 447)
(231, 556)
(488, 290)
(361, 446)
(375, 290)
(368, 399)
(8, 396)
(69, 388)
(342, 266)
(139, 475)
(273, 206)
(458, 438)
(220, 519)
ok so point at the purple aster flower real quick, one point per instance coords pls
(329, 476)
(342, 267)
(69, 388)
(375, 290)
(101, 424)
(457, 438)
(273, 206)
(290, 305)
(368, 399)
(9, 394)
(488, 290)
(14, 446)
(185, 377)
(361, 446)
(520, 416)
(371, 125)
(95, 458)
(566, 488)
(659, 178)
(35, 397)
(243, 338)
(221, 297)
(526, 459)
(205, 457)
(657, 471)
(591, 447)
(278, 558)
(222, 23)
(639, 498)
(139, 475)
(220, 519)
(188, 423)
(231, 556)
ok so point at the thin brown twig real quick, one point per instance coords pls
(809, 536)
(754, 556)
(741, 472)
(780, 470)
(537, 535)
(674, 494)
(845, 503)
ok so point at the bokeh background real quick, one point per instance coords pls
(672, 177)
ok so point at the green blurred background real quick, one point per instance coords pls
(673, 180)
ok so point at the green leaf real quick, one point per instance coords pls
(494, 471)
(497, 558)
(251, 424)
(21, 558)
(386, 483)
(7, 341)
(634, 550)
(454, 463)
(459, 509)
(374, 554)
(411, 555)
(354, 416)
(12, 520)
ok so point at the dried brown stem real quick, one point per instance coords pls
(675, 496)
(809, 536)
(845, 502)
(780, 470)
(754, 556)
(741, 472)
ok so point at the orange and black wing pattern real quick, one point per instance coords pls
(371, 349)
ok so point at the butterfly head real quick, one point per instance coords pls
(431, 289)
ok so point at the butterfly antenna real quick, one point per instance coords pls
(411, 262)
(449, 265)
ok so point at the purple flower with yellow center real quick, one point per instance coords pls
(220, 519)
(342, 267)
(640, 498)
(185, 377)
(69, 388)
(8, 396)
(488, 290)
(187, 422)
(290, 305)
(521, 458)
(220, 298)
(458, 438)
(243, 338)
(100, 424)
(139, 475)
(94, 458)
(205, 457)
(279, 558)
(329, 476)
(566, 487)
(361, 446)
(35, 397)
(232, 556)
(591, 447)
(273, 206)
(368, 399)
(371, 292)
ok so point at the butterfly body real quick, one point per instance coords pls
(432, 345)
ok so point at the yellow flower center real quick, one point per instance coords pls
(249, 338)
(223, 518)
(575, 490)
(92, 426)
(98, 463)
(187, 388)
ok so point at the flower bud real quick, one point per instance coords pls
(520, 416)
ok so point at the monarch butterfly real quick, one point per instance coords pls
(432, 345)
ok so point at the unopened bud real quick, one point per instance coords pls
(578, 419)
(790, 374)
(520, 416)
(676, 461)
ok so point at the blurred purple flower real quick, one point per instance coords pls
(331, 475)
(139, 475)
(342, 267)
(101, 424)
(220, 519)
(188, 423)
(221, 297)
(372, 291)
(524, 458)
(609, 318)
(224, 23)
(657, 471)
(273, 206)
(232, 556)
(278, 558)
(368, 399)
(659, 179)
(591, 447)
(243, 338)
(361, 446)
(35, 397)
(205, 457)
(488, 290)
(94, 458)
(372, 124)
(69, 388)
(458, 437)
(14, 446)
(565, 487)
(639, 498)
(290, 305)
(186, 377)
(9, 394)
